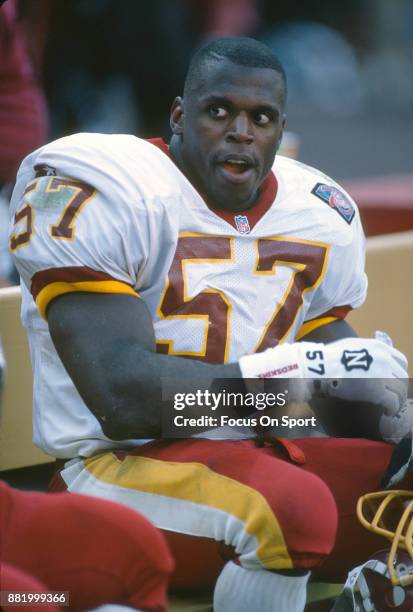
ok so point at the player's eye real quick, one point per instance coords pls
(217, 112)
(262, 118)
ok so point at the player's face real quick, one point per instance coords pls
(230, 129)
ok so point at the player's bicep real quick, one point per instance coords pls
(91, 320)
(93, 335)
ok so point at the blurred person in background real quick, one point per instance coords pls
(23, 111)
(115, 71)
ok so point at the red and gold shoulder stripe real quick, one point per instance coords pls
(48, 284)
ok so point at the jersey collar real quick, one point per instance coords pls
(243, 221)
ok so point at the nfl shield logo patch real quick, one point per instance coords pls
(243, 226)
(336, 199)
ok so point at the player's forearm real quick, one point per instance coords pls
(107, 344)
(131, 390)
(148, 392)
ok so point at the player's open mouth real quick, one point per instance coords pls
(237, 169)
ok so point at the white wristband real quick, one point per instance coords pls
(283, 361)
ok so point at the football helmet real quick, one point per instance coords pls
(390, 514)
(385, 582)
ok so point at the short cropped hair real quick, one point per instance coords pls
(242, 51)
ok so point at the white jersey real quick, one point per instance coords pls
(112, 213)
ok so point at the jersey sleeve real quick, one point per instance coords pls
(72, 214)
(344, 285)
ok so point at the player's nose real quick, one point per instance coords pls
(240, 129)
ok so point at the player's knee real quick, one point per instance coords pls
(289, 521)
(306, 512)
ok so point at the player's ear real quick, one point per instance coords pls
(176, 119)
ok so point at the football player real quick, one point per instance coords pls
(144, 263)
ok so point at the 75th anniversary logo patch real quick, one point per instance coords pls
(336, 199)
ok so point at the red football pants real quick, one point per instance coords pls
(99, 551)
(15, 581)
(306, 499)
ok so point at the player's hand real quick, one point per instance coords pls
(394, 427)
(355, 369)
(365, 370)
